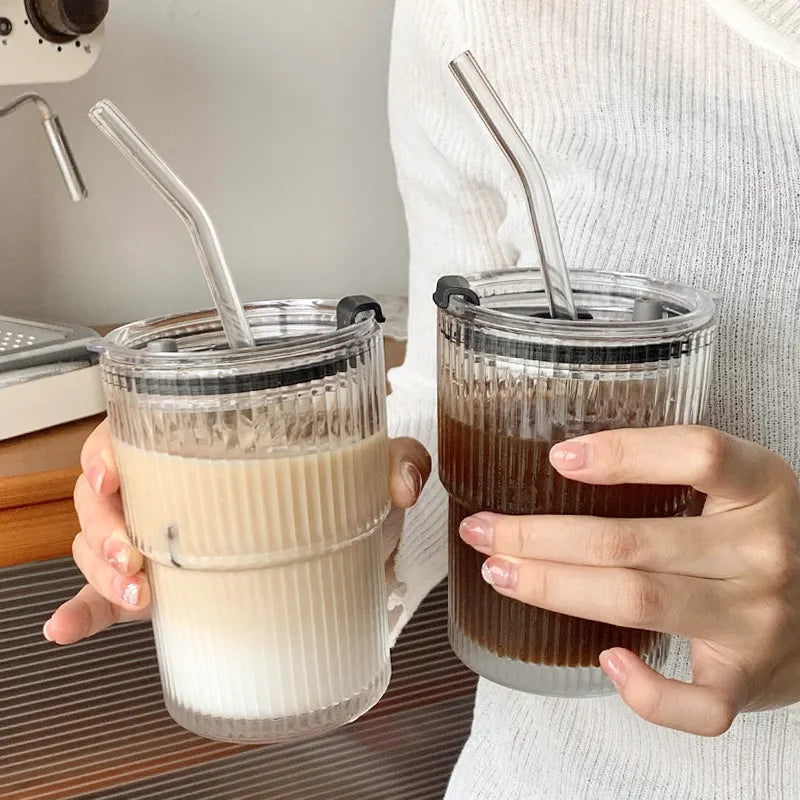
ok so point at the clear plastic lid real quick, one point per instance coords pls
(505, 313)
(297, 342)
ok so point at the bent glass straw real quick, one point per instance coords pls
(138, 151)
(515, 147)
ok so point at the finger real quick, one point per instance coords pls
(678, 546)
(706, 710)
(103, 528)
(98, 462)
(632, 599)
(130, 592)
(85, 615)
(710, 461)
(409, 468)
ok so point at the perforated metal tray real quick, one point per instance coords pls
(29, 343)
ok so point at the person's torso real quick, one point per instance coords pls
(672, 147)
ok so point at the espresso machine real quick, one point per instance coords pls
(46, 42)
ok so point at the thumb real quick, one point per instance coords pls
(409, 470)
(706, 707)
(97, 460)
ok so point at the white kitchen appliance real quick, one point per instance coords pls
(47, 376)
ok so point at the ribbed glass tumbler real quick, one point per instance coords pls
(512, 383)
(255, 484)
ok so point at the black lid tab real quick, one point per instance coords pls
(350, 308)
(450, 285)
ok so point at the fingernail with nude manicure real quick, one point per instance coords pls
(477, 531)
(614, 667)
(96, 473)
(117, 554)
(412, 477)
(500, 574)
(128, 590)
(569, 456)
(46, 631)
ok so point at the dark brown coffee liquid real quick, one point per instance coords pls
(489, 471)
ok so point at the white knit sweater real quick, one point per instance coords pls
(670, 134)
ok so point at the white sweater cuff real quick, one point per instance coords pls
(420, 561)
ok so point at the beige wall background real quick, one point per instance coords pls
(273, 112)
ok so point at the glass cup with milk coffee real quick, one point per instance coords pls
(513, 382)
(255, 483)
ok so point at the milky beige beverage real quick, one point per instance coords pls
(311, 607)
(255, 483)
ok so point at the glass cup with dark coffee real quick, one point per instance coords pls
(514, 382)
